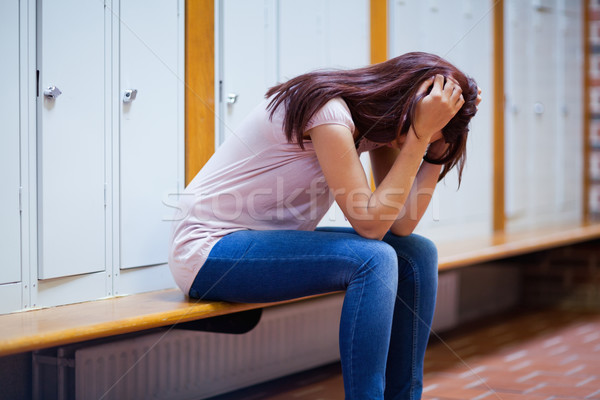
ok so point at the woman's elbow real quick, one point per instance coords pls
(402, 230)
(371, 232)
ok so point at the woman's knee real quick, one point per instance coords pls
(417, 250)
(379, 259)
(425, 250)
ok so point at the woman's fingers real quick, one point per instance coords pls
(449, 88)
(438, 85)
(460, 102)
(425, 85)
(453, 80)
(435, 110)
(455, 98)
(453, 91)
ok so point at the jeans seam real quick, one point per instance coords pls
(340, 257)
(362, 289)
(415, 322)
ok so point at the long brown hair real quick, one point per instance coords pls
(382, 99)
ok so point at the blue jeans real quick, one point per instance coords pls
(388, 307)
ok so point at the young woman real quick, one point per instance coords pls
(246, 229)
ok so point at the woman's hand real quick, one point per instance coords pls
(436, 109)
(438, 146)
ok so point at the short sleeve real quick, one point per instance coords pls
(335, 111)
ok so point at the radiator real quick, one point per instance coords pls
(179, 364)
(446, 306)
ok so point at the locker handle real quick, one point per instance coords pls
(129, 95)
(232, 98)
(52, 92)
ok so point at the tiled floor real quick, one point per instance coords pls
(545, 355)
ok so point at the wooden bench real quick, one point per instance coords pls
(32, 330)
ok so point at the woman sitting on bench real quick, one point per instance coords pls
(246, 225)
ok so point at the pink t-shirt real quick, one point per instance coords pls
(255, 180)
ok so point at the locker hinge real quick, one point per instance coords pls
(104, 194)
(220, 91)
(20, 199)
(37, 83)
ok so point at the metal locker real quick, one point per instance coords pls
(518, 113)
(10, 228)
(545, 81)
(150, 102)
(544, 112)
(460, 32)
(247, 57)
(348, 44)
(405, 34)
(450, 31)
(302, 53)
(71, 137)
(328, 40)
(568, 190)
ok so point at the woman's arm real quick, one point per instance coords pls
(421, 191)
(372, 214)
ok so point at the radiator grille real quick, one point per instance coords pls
(180, 364)
(446, 306)
(195, 365)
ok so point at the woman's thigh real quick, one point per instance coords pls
(263, 266)
(413, 248)
(417, 258)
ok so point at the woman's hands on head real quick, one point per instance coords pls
(438, 145)
(436, 109)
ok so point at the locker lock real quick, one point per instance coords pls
(232, 98)
(52, 92)
(129, 95)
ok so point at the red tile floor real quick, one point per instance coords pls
(541, 355)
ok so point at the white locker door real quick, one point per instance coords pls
(10, 229)
(348, 44)
(405, 28)
(248, 66)
(460, 32)
(71, 138)
(570, 138)
(433, 26)
(519, 115)
(301, 53)
(149, 127)
(544, 77)
(328, 40)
